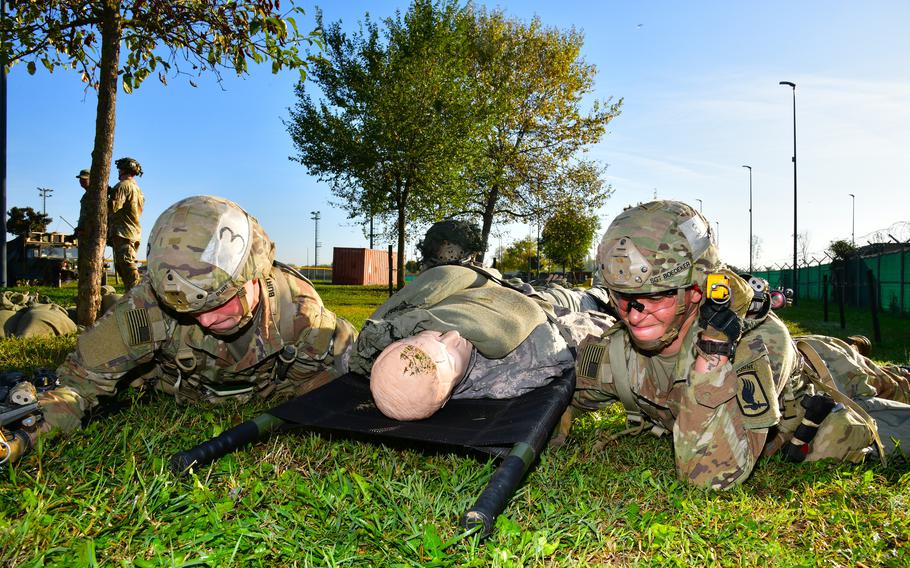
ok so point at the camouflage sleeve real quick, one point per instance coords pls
(125, 337)
(714, 446)
(324, 341)
(594, 387)
(117, 198)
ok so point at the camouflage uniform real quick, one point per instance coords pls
(290, 344)
(724, 419)
(124, 208)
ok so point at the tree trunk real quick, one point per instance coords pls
(489, 209)
(402, 217)
(93, 216)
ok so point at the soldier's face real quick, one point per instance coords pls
(83, 182)
(225, 317)
(657, 314)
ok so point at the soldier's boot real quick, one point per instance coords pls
(861, 343)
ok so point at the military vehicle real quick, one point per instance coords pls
(41, 259)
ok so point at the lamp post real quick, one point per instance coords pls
(852, 219)
(699, 204)
(315, 216)
(44, 192)
(795, 268)
(717, 233)
(750, 218)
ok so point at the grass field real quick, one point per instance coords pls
(104, 496)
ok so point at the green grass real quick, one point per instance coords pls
(104, 496)
(808, 317)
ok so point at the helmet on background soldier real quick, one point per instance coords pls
(129, 165)
(658, 247)
(450, 241)
(202, 251)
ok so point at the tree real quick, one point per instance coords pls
(568, 235)
(520, 255)
(842, 250)
(756, 249)
(396, 126)
(803, 244)
(534, 81)
(24, 220)
(88, 35)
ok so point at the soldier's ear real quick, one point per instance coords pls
(695, 294)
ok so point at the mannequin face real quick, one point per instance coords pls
(226, 316)
(413, 378)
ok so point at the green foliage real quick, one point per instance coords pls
(568, 234)
(105, 493)
(210, 36)
(395, 126)
(516, 255)
(88, 36)
(24, 220)
(535, 83)
(842, 250)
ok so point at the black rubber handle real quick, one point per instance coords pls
(494, 498)
(209, 451)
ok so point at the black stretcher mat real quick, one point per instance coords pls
(492, 426)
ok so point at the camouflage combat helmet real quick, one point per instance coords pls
(130, 165)
(201, 252)
(658, 247)
(450, 241)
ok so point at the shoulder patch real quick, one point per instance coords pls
(751, 395)
(589, 359)
(139, 329)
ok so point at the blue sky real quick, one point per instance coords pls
(700, 84)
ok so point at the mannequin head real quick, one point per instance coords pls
(414, 377)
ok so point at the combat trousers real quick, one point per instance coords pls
(125, 252)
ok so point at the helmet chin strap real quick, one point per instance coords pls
(669, 336)
(245, 318)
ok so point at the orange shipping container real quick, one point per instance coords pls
(362, 266)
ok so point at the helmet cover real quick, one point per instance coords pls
(655, 247)
(202, 250)
(130, 165)
(449, 241)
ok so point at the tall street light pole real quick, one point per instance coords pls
(699, 204)
(717, 234)
(315, 216)
(2, 150)
(852, 219)
(750, 218)
(44, 192)
(795, 268)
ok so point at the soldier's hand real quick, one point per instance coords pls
(562, 429)
(720, 323)
(741, 294)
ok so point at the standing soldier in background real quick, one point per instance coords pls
(124, 207)
(83, 178)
